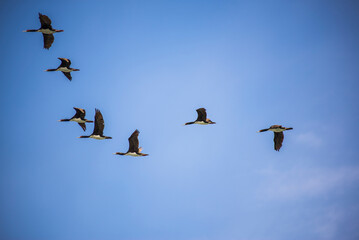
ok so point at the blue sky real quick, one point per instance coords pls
(148, 65)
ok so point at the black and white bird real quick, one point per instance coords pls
(202, 118)
(98, 128)
(79, 117)
(64, 68)
(278, 135)
(46, 30)
(133, 150)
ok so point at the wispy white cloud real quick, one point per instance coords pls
(298, 183)
(327, 225)
(310, 139)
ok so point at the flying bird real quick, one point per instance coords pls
(79, 117)
(98, 129)
(133, 150)
(46, 30)
(64, 68)
(278, 135)
(202, 118)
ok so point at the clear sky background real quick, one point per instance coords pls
(149, 65)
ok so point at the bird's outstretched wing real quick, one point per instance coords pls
(68, 75)
(202, 115)
(45, 21)
(48, 40)
(133, 141)
(278, 140)
(99, 123)
(80, 113)
(83, 126)
(65, 62)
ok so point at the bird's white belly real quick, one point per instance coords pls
(201, 123)
(98, 137)
(78, 120)
(46, 31)
(277, 130)
(64, 69)
(133, 154)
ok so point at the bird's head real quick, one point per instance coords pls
(83, 137)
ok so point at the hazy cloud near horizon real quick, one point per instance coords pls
(298, 183)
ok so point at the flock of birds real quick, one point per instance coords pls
(134, 149)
